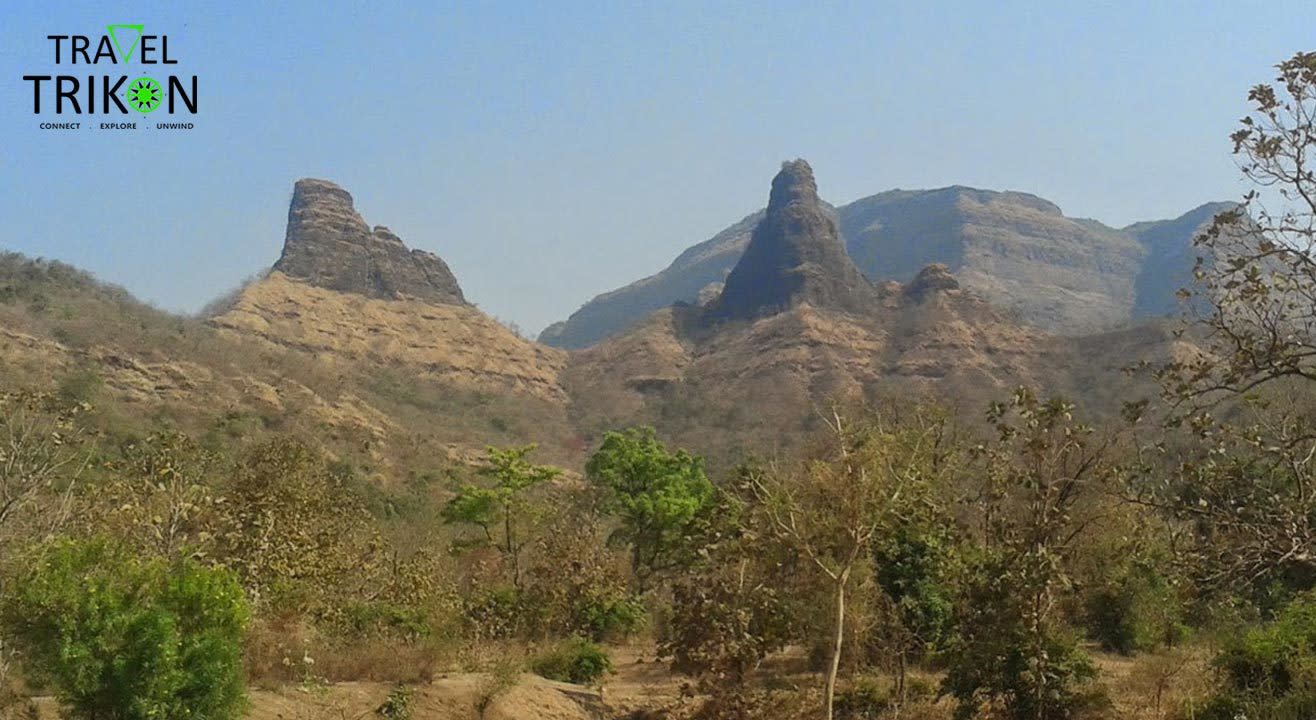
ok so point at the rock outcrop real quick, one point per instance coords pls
(931, 279)
(329, 245)
(795, 256)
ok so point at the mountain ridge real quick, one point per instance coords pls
(959, 226)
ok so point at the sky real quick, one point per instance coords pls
(550, 151)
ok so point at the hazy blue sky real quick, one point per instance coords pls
(553, 150)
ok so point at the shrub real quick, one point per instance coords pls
(398, 704)
(605, 616)
(722, 625)
(1000, 658)
(1133, 614)
(866, 700)
(1270, 671)
(125, 637)
(379, 619)
(575, 661)
(913, 566)
(498, 614)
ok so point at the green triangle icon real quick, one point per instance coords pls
(118, 48)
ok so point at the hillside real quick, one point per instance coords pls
(395, 374)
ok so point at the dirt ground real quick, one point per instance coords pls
(1149, 687)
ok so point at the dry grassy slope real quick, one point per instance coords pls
(148, 384)
(396, 386)
(454, 344)
(390, 386)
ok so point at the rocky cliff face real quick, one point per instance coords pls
(794, 257)
(330, 246)
(1170, 260)
(1019, 251)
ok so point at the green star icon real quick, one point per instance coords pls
(145, 94)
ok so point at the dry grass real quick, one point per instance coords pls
(1159, 686)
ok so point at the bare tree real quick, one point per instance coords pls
(1255, 291)
(38, 458)
(1247, 494)
(39, 465)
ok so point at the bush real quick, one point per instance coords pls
(609, 617)
(1270, 671)
(913, 568)
(1134, 612)
(398, 705)
(999, 657)
(379, 619)
(575, 661)
(866, 700)
(498, 614)
(1004, 672)
(131, 638)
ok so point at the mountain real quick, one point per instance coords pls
(1020, 252)
(794, 256)
(1169, 261)
(347, 293)
(371, 348)
(796, 327)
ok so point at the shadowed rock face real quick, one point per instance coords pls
(794, 256)
(328, 245)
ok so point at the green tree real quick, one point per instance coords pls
(295, 533)
(914, 564)
(501, 507)
(129, 638)
(857, 483)
(1043, 482)
(659, 496)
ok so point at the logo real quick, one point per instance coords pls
(144, 94)
(120, 76)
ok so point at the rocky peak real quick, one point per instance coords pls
(794, 256)
(933, 278)
(328, 245)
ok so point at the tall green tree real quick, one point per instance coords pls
(659, 496)
(500, 505)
